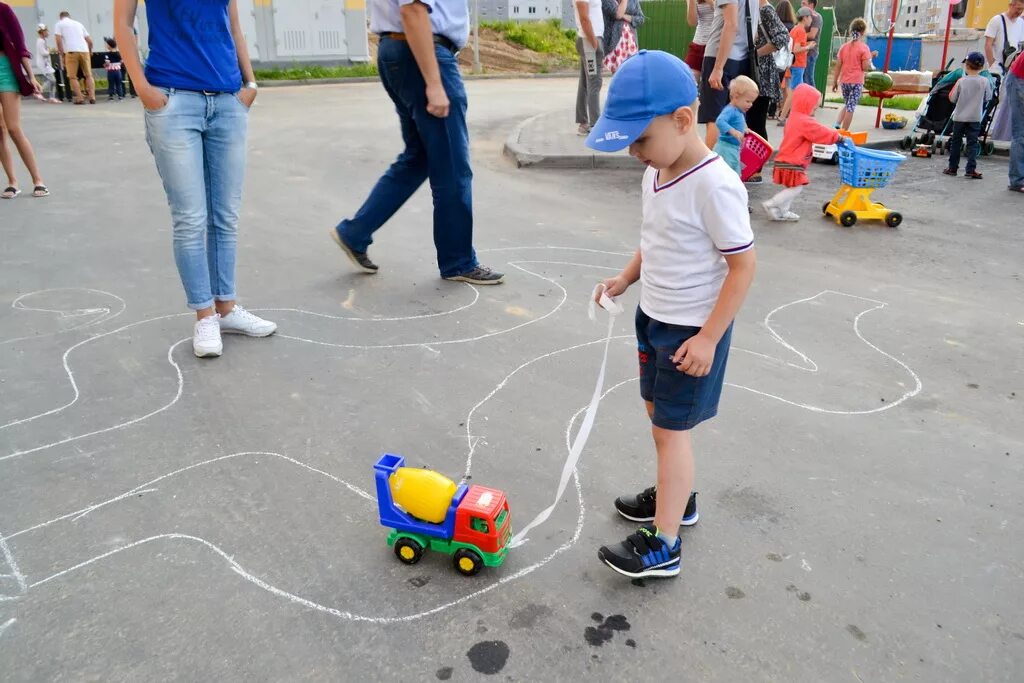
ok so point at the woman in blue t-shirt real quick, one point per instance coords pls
(197, 115)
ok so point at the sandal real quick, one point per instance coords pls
(40, 191)
(10, 192)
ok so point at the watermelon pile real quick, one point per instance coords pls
(876, 81)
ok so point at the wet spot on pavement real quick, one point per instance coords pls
(596, 636)
(488, 656)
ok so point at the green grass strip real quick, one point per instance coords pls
(545, 37)
(903, 102)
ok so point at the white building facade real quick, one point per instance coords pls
(918, 17)
(276, 31)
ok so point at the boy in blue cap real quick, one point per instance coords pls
(696, 262)
(969, 94)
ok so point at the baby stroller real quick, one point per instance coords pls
(935, 117)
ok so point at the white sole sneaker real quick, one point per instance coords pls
(241, 321)
(206, 342)
(208, 352)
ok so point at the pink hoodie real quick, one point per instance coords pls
(803, 130)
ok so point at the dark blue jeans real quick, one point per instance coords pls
(435, 149)
(115, 84)
(961, 129)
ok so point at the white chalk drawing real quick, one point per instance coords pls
(89, 317)
(13, 575)
(812, 367)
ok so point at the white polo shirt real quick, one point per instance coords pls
(72, 34)
(689, 224)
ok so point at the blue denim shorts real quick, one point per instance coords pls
(796, 76)
(681, 402)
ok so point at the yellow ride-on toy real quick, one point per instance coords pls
(862, 171)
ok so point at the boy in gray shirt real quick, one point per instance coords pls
(970, 94)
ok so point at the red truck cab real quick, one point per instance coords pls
(483, 520)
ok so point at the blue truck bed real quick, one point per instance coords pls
(394, 517)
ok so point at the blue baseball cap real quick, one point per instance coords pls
(649, 84)
(975, 59)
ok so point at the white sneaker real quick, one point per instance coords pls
(790, 216)
(773, 211)
(241, 321)
(206, 341)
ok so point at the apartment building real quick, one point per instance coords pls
(277, 31)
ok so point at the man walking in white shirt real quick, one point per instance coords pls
(75, 48)
(1003, 35)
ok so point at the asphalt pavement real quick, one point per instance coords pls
(164, 517)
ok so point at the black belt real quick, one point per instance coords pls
(443, 41)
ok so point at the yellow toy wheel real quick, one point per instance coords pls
(408, 550)
(467, 562)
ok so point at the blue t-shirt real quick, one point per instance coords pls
(731, 118)
(190, 45)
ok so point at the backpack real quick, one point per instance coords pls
(1010, 51)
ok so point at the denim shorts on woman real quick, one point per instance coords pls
(681, 402)
(8, 83)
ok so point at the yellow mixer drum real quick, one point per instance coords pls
(424, 494)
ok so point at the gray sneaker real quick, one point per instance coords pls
(359, 258)
(481, 275)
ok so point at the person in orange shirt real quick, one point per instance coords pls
(801, 46)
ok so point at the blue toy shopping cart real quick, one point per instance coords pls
(862, 171)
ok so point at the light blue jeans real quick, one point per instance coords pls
(1015, 101)
(199, 144)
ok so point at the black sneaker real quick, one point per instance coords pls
(642, 554)
(640, 507)
(481, 275)
(358, 258)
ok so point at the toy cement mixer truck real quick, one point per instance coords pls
(426, 510)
